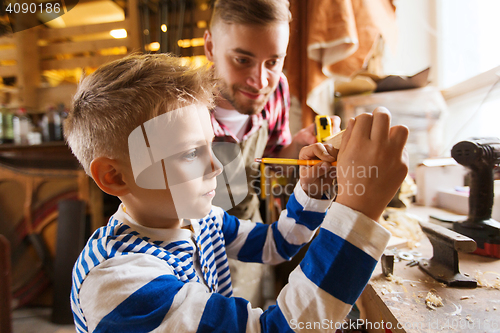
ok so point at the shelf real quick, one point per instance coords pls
(48, 155)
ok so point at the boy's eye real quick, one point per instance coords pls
(191, 155)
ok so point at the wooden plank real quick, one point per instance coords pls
(474, 84)
(6, 71)
(28, 66)
(79, 62)
(81, 30)
(8, 54)
(84, 46)
(62, 93)
(134, 27)
(375, 311)
(7, 41)
(307, 113)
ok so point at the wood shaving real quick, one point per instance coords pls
(484, 282)
(432, 300)
(466, 297)
(403, 225)
(395, 279)
(386, 290)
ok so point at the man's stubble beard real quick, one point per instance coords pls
(229, 93)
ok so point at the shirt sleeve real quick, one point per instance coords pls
(280, 241)
(277, 112)
(139, 293)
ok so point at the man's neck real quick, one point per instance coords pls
(223, 103)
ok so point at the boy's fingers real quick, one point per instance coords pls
(332, 151)
(363, 126)
(316, 171)
(347, 134)
(398, 135)
(316, 151)
(320, 169)
(381, 124)
(405, 157)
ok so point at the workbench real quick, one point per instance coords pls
(400, 304)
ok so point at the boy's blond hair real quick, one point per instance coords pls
(251, 12)
(124, 94)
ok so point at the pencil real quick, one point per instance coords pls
(289, 161)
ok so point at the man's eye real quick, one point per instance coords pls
(272, 63)
(241, 61)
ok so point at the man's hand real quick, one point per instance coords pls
(306, 137)
(372, 162)
(318, 179)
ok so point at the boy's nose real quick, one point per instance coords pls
(215, 166)
(258, 78)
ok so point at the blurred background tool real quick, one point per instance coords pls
(480, 155)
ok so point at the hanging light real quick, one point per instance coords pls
(118, 33)
(154, 46)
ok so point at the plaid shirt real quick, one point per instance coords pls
(275, 112)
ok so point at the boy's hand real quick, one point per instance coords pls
(316, 180)
(372, 162)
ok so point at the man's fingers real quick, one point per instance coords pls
(336, 121)
(381, 125)
(308, 136)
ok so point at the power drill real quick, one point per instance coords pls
(480, 156)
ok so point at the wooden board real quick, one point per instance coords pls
(336, 139)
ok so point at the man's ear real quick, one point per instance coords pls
(209, 45)
(108, 175)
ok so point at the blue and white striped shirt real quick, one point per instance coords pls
(130, 278)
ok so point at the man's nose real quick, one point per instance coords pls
(258, 77)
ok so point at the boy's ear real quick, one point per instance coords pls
(108, 175)
(209, 45)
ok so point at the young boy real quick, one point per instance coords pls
(141, 128)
